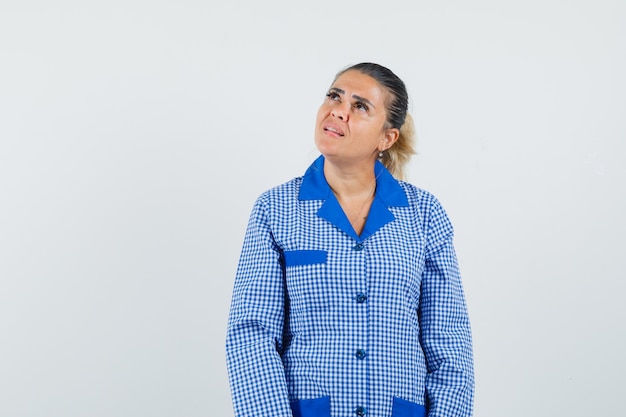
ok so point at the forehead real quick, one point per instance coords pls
(356, 83)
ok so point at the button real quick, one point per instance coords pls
(360, 298)
(360, 354)
(358, 247)
(360, 411)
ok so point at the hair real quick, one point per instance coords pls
(396, 157)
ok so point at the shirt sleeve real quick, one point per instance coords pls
(444, 324)
(255, 325)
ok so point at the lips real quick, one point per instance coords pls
(333, 129)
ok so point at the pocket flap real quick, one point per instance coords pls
(404, 408)
(316, 407)
(305, 257)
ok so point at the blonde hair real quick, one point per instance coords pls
(397, 157)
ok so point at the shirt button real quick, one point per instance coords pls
(360, 411)
(360, 298)
(358, 247)
(360, 354)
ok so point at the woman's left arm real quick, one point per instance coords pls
(444, 325)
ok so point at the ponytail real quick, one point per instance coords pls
(396, 158)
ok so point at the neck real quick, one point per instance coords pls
(350, 181)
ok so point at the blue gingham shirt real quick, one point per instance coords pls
(324, 322)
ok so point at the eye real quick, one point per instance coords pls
(359, 105)
(333, 96)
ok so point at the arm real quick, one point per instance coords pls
(255, 325)
(445, 331)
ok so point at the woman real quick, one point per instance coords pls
(348, 299)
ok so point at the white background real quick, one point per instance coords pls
(135, 136)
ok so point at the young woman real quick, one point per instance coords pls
(348, 299)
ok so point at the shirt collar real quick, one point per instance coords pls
(389, 193)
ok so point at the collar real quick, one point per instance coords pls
(389, 193)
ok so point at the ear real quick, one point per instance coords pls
(390, 137)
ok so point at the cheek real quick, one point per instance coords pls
(319, 118)
(322, 112)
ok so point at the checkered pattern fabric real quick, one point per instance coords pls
(327, 323)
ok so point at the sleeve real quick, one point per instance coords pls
(255, 325)
(445, 330)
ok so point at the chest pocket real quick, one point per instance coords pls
(306, 273)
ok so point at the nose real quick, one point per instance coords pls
(340, 112)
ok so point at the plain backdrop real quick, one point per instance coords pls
(135, 136)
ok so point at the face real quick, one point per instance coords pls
(351, 122)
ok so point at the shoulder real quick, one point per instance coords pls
(281, 197)
(285, 191)
(422, 200)
(429, 209)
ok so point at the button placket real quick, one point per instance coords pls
(360, 354)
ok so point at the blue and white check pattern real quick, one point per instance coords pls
(327, 323)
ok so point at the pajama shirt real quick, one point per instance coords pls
(328, 323)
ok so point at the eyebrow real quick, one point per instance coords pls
(363, 99)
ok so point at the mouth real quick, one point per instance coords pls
(333, 130)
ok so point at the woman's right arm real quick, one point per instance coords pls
(255, 325)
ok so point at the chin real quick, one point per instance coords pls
(325, 149)
(327, 143)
